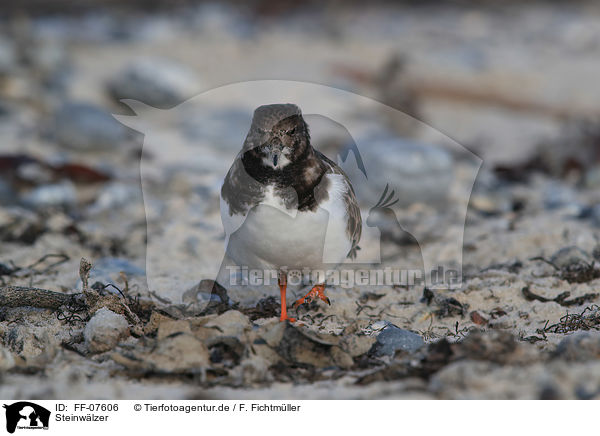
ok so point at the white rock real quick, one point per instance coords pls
(179, 354)
(105, 330)
(7, 359)
(54, 195)
(230, 323)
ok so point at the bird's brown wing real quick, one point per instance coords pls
(240, 191)
(354, 223)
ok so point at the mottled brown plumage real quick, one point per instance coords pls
(301, 184)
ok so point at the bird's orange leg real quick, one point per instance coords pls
(282, 279)
(316, 291)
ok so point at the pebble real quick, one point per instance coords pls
(171, 327)
(180, 353)
(559, 196)
(569, 257)
(7, 359)
(61, 194)
(105, 330)
(35, 173)
(86, 127)
(230, 323)
(592, 213)
(417, 172)
(302, 346)
(392, 339)
(580, 346)
(113, 196)
(156, 82)
(7, 196)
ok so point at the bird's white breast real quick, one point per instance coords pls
(273, 237)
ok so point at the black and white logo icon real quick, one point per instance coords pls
(26, 415)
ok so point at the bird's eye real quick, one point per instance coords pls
(291, 131)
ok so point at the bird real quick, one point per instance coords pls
(285, 205)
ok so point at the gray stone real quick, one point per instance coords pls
(303, 346)
(105, 330)
(392, 339)
(570, 257)
(558, 196)
(417, 172)
(87, 127)
(593, 213)
(156, 82)
(580, 346)
(7, 195)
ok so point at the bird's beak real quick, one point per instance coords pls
(275, 150)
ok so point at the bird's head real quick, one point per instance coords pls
(278, 135)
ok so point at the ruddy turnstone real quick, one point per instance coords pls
(285, 205)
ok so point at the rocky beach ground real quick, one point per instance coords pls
(503, 184)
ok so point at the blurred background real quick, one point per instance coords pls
(515, 83)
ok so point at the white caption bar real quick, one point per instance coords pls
(248, 417)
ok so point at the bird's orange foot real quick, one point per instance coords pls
(286, 318)
(282, 288)
(316, 291)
